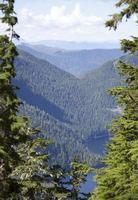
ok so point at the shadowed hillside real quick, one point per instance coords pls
(67, 107)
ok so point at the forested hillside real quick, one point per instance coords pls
(118, 179)
(70, 110)
(75, 62)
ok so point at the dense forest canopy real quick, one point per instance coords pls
(45, 125)
(68, 107)
(25, 172)
(118, 179)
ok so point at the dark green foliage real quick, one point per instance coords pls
(119, 179)
(10, 123)
(78, 175)
(130, 45)
(129, 8)
(24, 169)
(23, 166)
(70, 181)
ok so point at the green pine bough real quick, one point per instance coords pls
(118, 180)
(25, 173)
(9, 103)
(23, 168)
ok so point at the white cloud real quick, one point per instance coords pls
(58, 18)
(58, 22)
(61, 23)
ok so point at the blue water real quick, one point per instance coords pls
(95, 145)
(90, 184)
(98, 146)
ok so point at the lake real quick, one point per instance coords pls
(98, 146)
(90, 184)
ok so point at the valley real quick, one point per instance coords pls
(72, 112)
(68, 100)
(68, 109)
(76, 62)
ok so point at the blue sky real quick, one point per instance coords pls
(72, 20)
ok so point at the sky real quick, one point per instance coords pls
(70, 20)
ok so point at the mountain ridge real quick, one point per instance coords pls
(73, 45)
(71, 110)
(75, 62)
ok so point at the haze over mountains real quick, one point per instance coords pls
(70, 110)
(72, 45)
(76, 62)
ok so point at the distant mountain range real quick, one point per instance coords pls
(71, 45)
(78, 62)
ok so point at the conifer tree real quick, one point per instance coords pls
(68, 181)
(23, 162)
(24, 169)
(10, 123)
(77, 176)
(119, 179)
